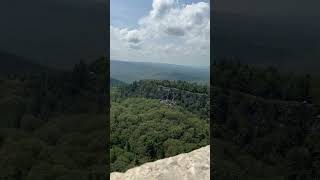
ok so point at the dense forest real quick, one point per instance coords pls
(192, 96)
(266, 123)
(53, 123)
(154, 119)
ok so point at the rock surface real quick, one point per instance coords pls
(189, 166)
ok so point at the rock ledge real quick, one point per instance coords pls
(188, 166)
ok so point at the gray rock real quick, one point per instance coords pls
(189, 166)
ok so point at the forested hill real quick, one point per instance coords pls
(264, 119)
(134, 71)
(155, 119)
(144, 130)
(192, 96)
(116, 82)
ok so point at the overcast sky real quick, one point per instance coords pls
(167, 31)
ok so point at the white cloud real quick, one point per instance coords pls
(161, 7)
(171, 32)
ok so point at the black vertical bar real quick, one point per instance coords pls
(108, 86)
(211, 88)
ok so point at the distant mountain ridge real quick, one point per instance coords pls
(133, 71)
(116, 82)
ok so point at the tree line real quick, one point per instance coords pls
(192, 96)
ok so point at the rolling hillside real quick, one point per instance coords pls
(153, 119)
(133, 71)
(116, 82)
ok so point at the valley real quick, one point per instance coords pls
(157, 111)
(155, 119)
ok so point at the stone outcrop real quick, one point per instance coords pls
(194, 165)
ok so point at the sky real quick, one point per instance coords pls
(165, 31)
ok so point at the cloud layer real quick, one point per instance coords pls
(171, 32)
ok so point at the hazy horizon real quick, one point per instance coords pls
(154, 62)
